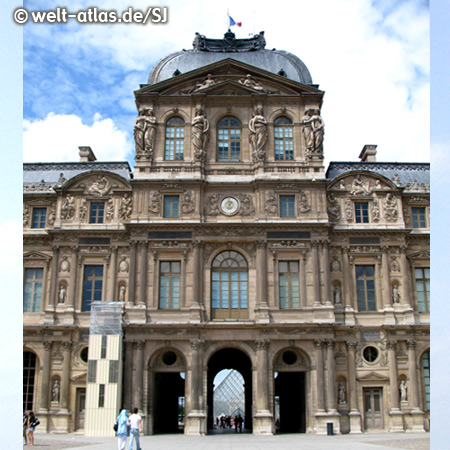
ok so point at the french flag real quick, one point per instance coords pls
(232, 22)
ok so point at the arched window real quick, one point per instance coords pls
(426, 378)
(174, 148)
(284, 141)
(29, 380)
(229, 140)
(229, 286)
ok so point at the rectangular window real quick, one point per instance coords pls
(422, 276)
(171, 203)
(39, 215)
(169, 284)
(103, 350)
(289, 284)
(418, 217)
(97, 212)
(365, 288)
(101, 395)
(92, 286)
(361, 212)
(32, 290)
(92, 371)
(426, 378)
(287, 205)
(113, 371)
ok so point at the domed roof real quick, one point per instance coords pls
(249, 51)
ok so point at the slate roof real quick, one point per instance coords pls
(400, 173)
(50, 173)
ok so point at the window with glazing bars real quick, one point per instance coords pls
(32, 290)
(171, 204)
(229, 140)
(288, 272)
(92, 286)
(287, 205)
(97, 212)
(284, 141)
(174, 145)
(365, 288)
(418, 217)
(169, 284)
(39, 215)
(361, 212)
(422, 276)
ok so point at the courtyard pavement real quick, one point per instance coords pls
(236, 441)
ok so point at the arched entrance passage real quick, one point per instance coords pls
(167, 379)
(290, 369)
(230, 358)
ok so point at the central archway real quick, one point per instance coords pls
(230, 358)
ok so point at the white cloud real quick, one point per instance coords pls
(57, 138)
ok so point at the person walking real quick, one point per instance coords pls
(32, 422)
(122, 431)
(135, 424)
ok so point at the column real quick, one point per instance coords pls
(413, 388)
(326, 272)
(197, 272)
(155, 296)
(132, 274)
(143, 273)
(138, 375)
(65, 381)
(347, 301)
(316, 272)
(53, 292)
(196, 346)
(386, 283)
(113, 294)
(262, 357)
(406, 283)
(320, 381)
(261, 257)
(378, 286)
(73, 278)
(331, 378)
(392, 360)
(127, 375)
(354, 414)
(303, 294)
(45, 386)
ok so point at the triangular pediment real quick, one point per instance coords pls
(373, 376)
(226, 77)
(35, 256)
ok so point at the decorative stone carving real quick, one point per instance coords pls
(26, 215)
(64, 266)
(229, 43)
(271, 204)
(303, 205)
(155, 203)
(390, 208)
(250, 82)
(335, 265)
(359, 187)
(334, 209)
(342, 395)
(187, 204)
(62, 294)
(200, 134)
(55, 391)
(206, 83)
(375, 210)
(337, 295)
(123, 264)
(99, 187)
(313, 132)
(145, 133)
(109, 210)
(348, 210)
(126, 207)
(51, 216)
(395, 294)
(122, 292)
(68, 208)
(247, 206)
(403, 391)
(212, 205)
(82, 212)
(258, 135)
(394, 266)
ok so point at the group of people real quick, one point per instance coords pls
(224, 422)
(129, 426)
(30, 422)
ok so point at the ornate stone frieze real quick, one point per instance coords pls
(187, 203)
(288, 244)
(364, 249)
(154, 205)
(303, 205)
(126, 207)
(390, 208)
(68, 208)
(271, 203)
(41, 187)
(170, 244)
(360, 187)
(109, 213)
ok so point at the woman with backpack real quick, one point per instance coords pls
(32, 423)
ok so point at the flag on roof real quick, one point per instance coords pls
(232, 22)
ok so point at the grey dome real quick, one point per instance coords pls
(274, 61)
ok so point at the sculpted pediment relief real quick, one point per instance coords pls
(361, 185)
(373, 376)
(36, 255)
(100, 184)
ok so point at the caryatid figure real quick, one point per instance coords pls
(258, 134)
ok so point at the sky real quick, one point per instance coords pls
(370, 57)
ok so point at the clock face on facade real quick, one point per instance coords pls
(229, 206)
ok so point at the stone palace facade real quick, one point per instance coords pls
(232, 246)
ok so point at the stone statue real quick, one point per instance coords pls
(390, 208)
(375, 210)
(359, 187)
(349, 209)
(250, 82)
(122, 291)
(144, 133)
(209, 81)
(337, 295)
(200, 134)
(187, 205)
(26, 215)
(313, 131)
(334, 209)
(403, 391)
(271, 204)
(55, 391)
(62, 294)
(341, 393)
(303, 205)
(51, 216)
(258, 134)
(83, 209)
(395, 294)
(126, 207)
(68, 208)
(109, 210)
(155, 202)
(100, 186)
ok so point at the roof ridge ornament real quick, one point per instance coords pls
(229, 43)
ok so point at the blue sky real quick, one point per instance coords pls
(371, 58)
